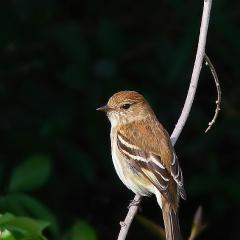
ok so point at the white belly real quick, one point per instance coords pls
(119, 167)
(130, 179)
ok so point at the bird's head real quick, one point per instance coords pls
(125, 107)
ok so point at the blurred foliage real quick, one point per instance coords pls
(21, 227)
(24, 178)
(198, 225)
(61, 59)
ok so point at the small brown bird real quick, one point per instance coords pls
(143, 155)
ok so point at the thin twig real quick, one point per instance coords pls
(187, 105)
(219, 94)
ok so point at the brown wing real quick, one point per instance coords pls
(142, 163)
(149, 149)
(177, 175)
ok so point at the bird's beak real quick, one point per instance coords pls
(104, 108)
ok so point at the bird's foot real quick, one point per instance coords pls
(134, 203)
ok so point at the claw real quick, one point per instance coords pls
(134, 203)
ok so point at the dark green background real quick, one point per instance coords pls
(60, 60)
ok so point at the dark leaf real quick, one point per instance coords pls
(31, 173)
(82, 231)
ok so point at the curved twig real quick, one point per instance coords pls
(187, 105)
(219, 94)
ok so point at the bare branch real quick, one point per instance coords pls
(196, 72)
(187, 105)
(129, 218)
(219, 97)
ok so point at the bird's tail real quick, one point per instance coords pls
(171, 223)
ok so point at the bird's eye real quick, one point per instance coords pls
(126, 106)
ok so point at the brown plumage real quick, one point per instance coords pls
(143, 155)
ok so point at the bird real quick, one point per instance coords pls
(143, 155)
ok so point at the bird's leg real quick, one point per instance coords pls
(134, 203)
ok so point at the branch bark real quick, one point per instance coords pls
(186, 108)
